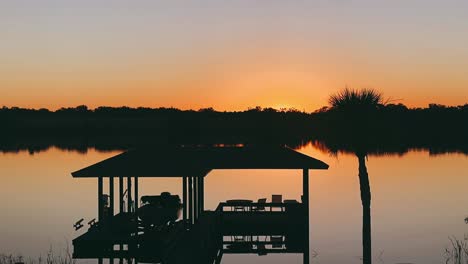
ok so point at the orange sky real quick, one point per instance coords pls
(230, 56)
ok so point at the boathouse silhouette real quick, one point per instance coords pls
(201, 236)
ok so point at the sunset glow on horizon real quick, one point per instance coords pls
(230, 56)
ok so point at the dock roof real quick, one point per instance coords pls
(197, 161)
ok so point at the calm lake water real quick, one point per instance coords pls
(418, 201)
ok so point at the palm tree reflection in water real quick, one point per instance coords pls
(354, 112)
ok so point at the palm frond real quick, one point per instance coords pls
(356, 99)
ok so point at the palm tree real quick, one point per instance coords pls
(355, 110)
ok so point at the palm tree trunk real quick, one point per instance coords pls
(366, 212)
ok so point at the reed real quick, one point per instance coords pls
(456, 252)
(64, 256)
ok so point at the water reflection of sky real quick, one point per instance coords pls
(418, 201)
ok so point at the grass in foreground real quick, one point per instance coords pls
(63, 257)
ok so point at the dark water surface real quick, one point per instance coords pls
(418, 201)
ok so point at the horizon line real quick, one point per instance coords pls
(281, 109)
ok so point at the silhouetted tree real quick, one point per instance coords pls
(357, 109)
(392, 129)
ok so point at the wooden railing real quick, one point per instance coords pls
(255, 207)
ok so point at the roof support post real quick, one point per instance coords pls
(195, 198)
(135, 179)
(121, 195)
(129, 194)
(190, 198)
(121, 205)
(135, 197)
(100, 199)
(135, 200)
(201, 190)
(184, 198)
(305, 202)
(111, 196)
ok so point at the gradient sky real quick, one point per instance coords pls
(230, 54)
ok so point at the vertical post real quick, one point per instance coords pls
(190, 199)
(305, 202)
(198, 198)
(184, 198)
(201, 190)
(121, 196)
(195, 198)
(111, 196)
(100, 201)
(111, 211)
(129, 194)
(121, 207)
(135, 198)
(135, 179)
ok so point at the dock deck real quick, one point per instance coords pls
(213, 234)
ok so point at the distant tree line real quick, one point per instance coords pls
(394, 127)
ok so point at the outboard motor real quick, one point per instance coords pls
(159, 211)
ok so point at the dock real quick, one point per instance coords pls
(199, 235)
(214, 234)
